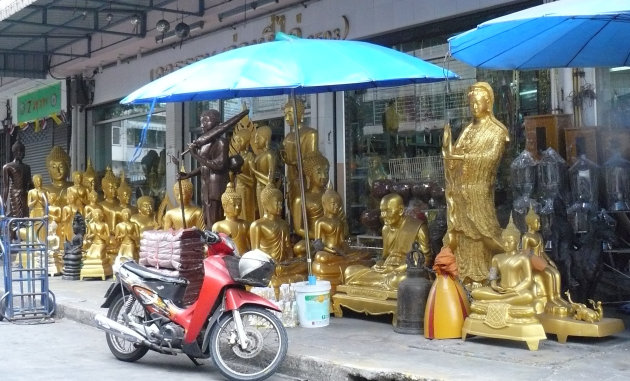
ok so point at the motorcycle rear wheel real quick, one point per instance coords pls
(122, 349)
(267, 349)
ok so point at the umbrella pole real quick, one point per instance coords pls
(311, 278)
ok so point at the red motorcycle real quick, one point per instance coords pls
(233, 326)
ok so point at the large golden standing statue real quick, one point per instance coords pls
(264, 163)
(309, 141)
(110, 205)
(58, 165)
(245, 179)
(470, 170)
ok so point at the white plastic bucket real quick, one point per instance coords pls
(313, 302)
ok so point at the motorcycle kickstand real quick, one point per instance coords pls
(240, 330)
(194, 360)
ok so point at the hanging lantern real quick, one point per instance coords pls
(583, 176)
(182, 30)
(163, 26)
(617, 178)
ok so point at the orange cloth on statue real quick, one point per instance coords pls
(447, 305)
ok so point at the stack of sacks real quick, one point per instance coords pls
(175, 253)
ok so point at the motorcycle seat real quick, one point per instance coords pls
(148, 274)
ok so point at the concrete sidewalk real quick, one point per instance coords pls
(360, 349)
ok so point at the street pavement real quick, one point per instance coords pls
(358, 349)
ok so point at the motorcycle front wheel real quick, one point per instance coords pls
(122, 349)
(267, 345)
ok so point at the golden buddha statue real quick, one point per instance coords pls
(96, 263)
(145, 218)
(336, 255)
(58, 165)
(264, 163)
(270, 233)
(374, 290)
(110, 206)
(235, 227)
(127, 234)
(124, 194)
(80, 191)
(91, 205)
(192, 213)
(245, 180)
(309, 141)
(316, 174)
(55, 258)
(473, 232)
(505, 309)
(546, 274)
(54, 214)
(73, 205)
(89, 176)
(35, 198)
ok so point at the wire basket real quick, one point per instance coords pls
(421, 168)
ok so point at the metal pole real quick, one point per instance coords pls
(311, 279)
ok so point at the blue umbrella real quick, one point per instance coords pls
(564, 33)
(291, 65)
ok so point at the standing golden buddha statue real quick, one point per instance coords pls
(193, 214)
(235, 227)
(78, 189)
(470, 168)
(58, 165)
(110, 205)
(245, 180)
(265, 162)
(309, 141)
(145, 218)
(270, 233)
(35, 198)
(89, 176)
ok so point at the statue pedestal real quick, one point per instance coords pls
(96, 270)
(564, 327)
(371, 301)
(530, 333)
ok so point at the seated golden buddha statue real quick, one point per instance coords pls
(336, 254)
(145, 218)
(546, 274)
(58, 165)
(264, 162)
(80, 192)
(505, 309)
(127, 234)
(96, 263)
(374, 290)
(270, 233)
(316, 178)
(192, 213)
(110, 205)
(235, 227)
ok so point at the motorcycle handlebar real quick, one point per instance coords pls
(210, 237)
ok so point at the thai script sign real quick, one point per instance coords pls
(39, 104)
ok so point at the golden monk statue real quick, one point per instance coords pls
(399, 233)
(235, 227)
(92, 204)
(127, 234)
(470, 169)
(316, 174)
(96, 263)
(309, 141)
(35, 198)
(264, 163)
(193, 214)
(145, 218)
(245, 179)
(506, 308)
(73, 206)
(54, 214)
(336, 254)
(80, 192)
(55, 259)
(546, 274)
(270, 233)
(111, 206)
(58, 164)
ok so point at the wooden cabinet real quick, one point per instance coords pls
(581, 140)
(542, 131)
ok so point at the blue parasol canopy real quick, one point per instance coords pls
(290, 65)
(564, 33)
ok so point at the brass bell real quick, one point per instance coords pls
(412, 294)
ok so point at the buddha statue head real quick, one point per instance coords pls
(89, 176)
(77, 178)
(316, 169)
(392, 209)
(290, 115)
(145, 205)
(231, 201)
(124, 190)
(271, 198)
(93, 197)
(532, 220)
(18, 150)
(481, 99)
(331, 201)
(187, 192)
(511, 236)
(97, 215)
(125, 214)
(37, 181)
(261, 138)
(240, 140)
(53, 198)
(58, 164)
(109, 185)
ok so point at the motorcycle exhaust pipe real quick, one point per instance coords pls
(119, 330)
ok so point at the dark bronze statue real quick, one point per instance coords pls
(16, 182)
(73, 251)
(211, 150)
